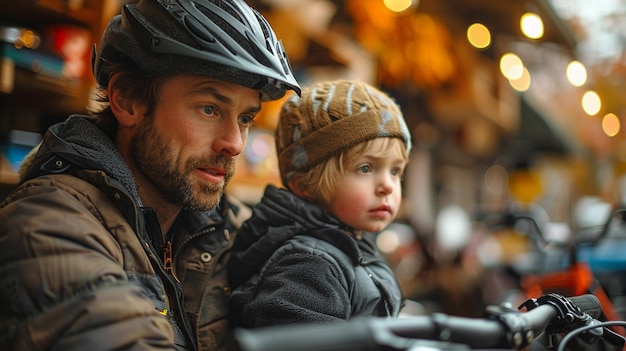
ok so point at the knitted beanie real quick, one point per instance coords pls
(331, 117)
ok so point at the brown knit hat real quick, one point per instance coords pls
(332, 117)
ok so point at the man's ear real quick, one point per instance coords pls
(122, 107)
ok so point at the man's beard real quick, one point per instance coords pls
(151, 153)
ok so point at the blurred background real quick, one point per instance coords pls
(515, 107)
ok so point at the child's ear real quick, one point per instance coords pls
(295, 187)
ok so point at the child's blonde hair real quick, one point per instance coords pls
(318, 183)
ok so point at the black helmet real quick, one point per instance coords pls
(225, 39)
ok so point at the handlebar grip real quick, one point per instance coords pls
(589, 304)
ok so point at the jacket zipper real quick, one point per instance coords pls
(175, 301)
(167, 259)
(169, 279)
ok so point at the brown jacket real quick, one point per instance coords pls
(81, 262)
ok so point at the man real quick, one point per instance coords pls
(118, 235)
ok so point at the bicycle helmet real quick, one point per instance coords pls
(225, 39)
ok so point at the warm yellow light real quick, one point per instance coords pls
(522, 83)
(531, 25)
(398, 5)
(576, 73)
(610, 124)
(526, 185)
(511, 66)
(591, 103)
(479, 36)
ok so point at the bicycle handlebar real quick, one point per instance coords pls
(503, 328)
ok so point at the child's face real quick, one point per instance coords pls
(367, 197)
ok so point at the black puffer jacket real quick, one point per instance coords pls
(293, 263)
(82, 262)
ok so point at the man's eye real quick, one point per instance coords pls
(246, 120)
(209, 110)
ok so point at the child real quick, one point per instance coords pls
(306, 255)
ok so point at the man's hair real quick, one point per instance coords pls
(134, 84)
(318, 183)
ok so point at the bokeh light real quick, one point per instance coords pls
(479, 36)
(522, 83)
(576, 73)
(610, 124)
(511, 66)
(496, 179)
(398, 5)
(531, 25)
(591, 103)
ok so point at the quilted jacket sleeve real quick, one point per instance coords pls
(62, 280)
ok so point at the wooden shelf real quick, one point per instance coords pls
(20, 87)
(32, 99)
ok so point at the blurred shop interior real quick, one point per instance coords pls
(514, 105)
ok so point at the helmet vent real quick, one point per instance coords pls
(266, 33)
(229, 8)
(234, 36)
